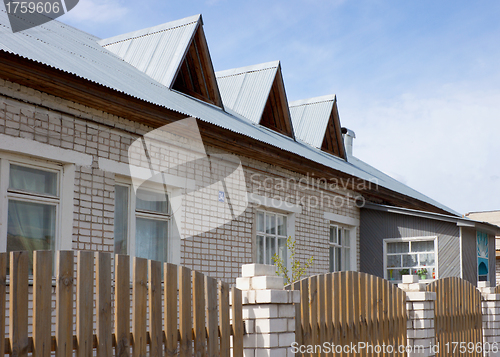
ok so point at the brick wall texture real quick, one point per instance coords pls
(212, 241)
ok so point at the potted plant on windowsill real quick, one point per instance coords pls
(422, 273)
(404, 272)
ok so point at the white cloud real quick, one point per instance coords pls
(445, 146)
(98, 12)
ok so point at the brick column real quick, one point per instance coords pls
(268, 312)
(420, 324)
(491, 319)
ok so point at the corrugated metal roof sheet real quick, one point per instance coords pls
(73, 51)
(157, 51)
(245, 90)
(310, 118)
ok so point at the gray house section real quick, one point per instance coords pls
(378, 225)
(457, 250)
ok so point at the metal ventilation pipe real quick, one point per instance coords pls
(348, 135)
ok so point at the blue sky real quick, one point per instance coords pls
(418, 81)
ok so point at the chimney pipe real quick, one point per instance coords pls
(348, 135)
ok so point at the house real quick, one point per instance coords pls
(134, 145)
(492, 217)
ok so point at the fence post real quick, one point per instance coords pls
(421, 336)
(491, 318)
(268, 312)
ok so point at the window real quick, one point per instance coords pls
(32, 192)
(340, 249)
(142, 222)
(410, 256)
(271, 237)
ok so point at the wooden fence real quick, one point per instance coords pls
(457, 317)
(350, 307)
(192, 319)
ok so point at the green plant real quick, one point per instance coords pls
(404, 271)
(422, 272)
(298, 269)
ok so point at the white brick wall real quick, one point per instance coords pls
(34, 115)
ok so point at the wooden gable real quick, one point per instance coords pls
(196, 76)
(332, 141)
(276, 115)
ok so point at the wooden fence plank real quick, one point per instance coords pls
(198, 282)
(64, 304)
(212, 318)
(3, 288)
(304, 299)
(224, 319)
(237, 322)
(313, 309)
(84, 303)
(139, 307)
(18, 303)
(155, 320)
(298, 319)
(336, 316)
(321, 311)
(42, 284)
(104, 328)
(122, 305)
(328, 309)
(185, 324)
(362, 310)
(170, 305)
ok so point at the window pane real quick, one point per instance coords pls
(151, 239)
(409, 260)
(333, 235)
(281, 225)
(340, 235)
(260, 249)
(31, 226)
(270, 223)
(425, 246)
(32, 180)
(282, 250)
(347, 260)
(260, 221)
(121, 219)
(393, 261)
(151, 201)
(332, 259)
(338, 259)
(347, 238)
(397, 247)
(270, 249)
(426, 259)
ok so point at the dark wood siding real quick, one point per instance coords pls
(378, 225)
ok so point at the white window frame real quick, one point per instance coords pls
(275, 236)
(352, 245)
(413, 239)
(64, 201)
(173, 244)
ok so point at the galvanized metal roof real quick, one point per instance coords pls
(246, 90)
(310, 118)
(157, 51)
(73, 51)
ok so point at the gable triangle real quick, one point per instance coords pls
(257, 93)
(316, 122)
(196, 76)
(163, 51)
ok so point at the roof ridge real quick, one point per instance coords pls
(304, 104)
(246, 72)
(149, 33)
